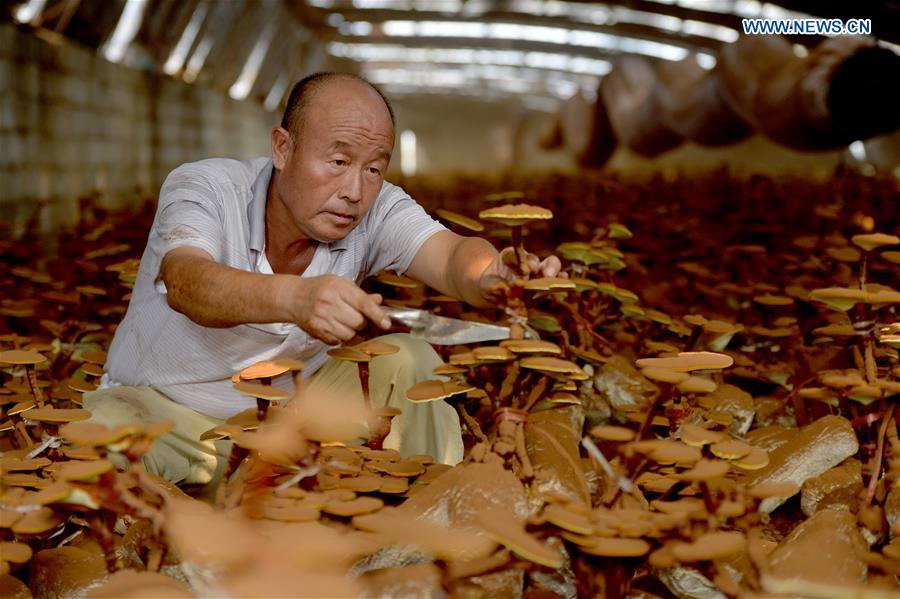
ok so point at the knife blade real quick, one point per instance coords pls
(442, 330)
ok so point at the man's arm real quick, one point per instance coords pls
(469, 268)
(328, 307)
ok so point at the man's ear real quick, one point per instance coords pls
(282, 145)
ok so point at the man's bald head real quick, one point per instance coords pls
(304, 93)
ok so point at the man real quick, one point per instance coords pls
(260, 259)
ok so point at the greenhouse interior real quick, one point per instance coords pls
(552, 299)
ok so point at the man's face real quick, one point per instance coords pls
(330, 175)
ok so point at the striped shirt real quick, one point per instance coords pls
(218, 205)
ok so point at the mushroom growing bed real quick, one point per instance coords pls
(702, 405)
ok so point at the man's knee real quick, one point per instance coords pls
(116, 406)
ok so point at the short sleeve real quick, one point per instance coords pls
(397, 230)
(189, 214)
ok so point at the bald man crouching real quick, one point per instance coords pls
(261, 259)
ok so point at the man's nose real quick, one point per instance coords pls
(352, 190)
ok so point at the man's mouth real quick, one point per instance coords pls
(343, 216)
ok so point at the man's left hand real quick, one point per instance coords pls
(505, 268)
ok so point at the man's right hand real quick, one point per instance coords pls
(328, 307)
(333, 308)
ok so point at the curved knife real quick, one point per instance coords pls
(441, 330)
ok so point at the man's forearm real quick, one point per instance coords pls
(215, 295)
(467, 263)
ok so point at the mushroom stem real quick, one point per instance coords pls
(665, 392)
(869, 359)
(536, 393)
(527, 472)
(262, 406)
(566, 344)
(23, 435)
(379, 428)
(507, 387)
(879, 454)
(517, 247)
(364, 383)
(471, 423)
(235, 458)
(862, 324)
(633, 468)
(583, 326)
(800, 411)
(674, 490)
(708, 501)
(103, 533)
(696, 331)
(858, 358)
(135, 506)
(33, 384)
(613, 577)
(863, 270)
(527, 383)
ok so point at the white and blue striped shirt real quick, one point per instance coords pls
(218, 205)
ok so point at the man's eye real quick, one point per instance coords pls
(374, 170)
(338, 162)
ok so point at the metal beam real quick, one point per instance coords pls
(492, 44)
(637, 31)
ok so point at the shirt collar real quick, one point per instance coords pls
(256, 212)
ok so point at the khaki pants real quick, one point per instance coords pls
(180, 457)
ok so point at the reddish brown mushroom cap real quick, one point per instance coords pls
(349, 354)
(260, 391)
(504, 528)
(57, 415)
(705, 470)
(615, 547)
(714, 545)
(697, 384)
(756, 459)
(463, 359)
(871, 241)
(567, 519)
(373, 347)
(448, 369)
(38, 521)
(769, 299)
(492, 353)
(268, 369)
(730, 450)
(15, 553)
(94, 357)
(353, 507)
(21, 357)
(552, 365)
(80, 471)
(608, 432)
(548, 284)
(513, 215)
(434, 390)
(698, 437)
(458, 219)
(689, 361)
(665, 375)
